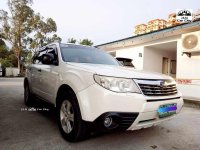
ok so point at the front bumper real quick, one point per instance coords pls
(95, 102)
(120, 121)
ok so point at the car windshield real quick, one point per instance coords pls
(83, 54)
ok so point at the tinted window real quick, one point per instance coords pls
(82, 54)
(53, 50)
(128, 63)
(37, 58)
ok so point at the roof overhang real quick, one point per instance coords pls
(148, 37)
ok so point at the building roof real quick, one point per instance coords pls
(175, 30)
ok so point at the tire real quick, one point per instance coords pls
(28, 96)
(70, 122)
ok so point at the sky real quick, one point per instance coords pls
(104, 21)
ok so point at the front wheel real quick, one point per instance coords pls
(28, 96)
(70, 121)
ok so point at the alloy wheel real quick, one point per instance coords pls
(67, 116)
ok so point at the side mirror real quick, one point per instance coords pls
(47, 59)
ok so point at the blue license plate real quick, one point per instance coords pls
(167, 110)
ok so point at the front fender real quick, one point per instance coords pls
(76, 80)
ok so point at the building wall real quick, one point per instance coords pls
(135, 53)
(153, 59)
(188, 68)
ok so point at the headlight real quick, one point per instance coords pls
(121, 85)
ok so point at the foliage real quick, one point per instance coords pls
(44, 32)
(86, 42)
(16, 25)
(22, 27)
(7, 55)
(27, 57)
(82, 42)
(3, 49)
(12, 58)
(5, 62)
(71, 40)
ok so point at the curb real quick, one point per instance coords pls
(192, 103)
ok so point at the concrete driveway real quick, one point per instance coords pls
(22, 129)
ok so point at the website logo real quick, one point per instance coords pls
(184, 15)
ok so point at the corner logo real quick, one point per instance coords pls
(184, 15)
(162, 83)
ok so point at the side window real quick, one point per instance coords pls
(37, 59)
(53, 50)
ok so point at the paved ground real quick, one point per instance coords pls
(38, 130)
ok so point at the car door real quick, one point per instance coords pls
(35, 70)
(49, 76)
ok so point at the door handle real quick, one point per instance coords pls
(39, 70)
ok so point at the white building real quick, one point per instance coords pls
(174, 51)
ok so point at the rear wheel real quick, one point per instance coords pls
(70, 121)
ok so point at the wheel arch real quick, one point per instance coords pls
(63, 88)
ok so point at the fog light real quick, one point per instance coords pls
(107, 121)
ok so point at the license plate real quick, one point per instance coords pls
(167, 110)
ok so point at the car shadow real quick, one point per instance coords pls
(45, 109)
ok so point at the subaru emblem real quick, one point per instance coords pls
(162, 83)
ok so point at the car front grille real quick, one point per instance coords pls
(158, 89)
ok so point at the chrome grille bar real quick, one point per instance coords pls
(157, 87)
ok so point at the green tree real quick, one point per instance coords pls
(86, 42)
(3, 49)
(71, 40)
(28, 58)
(12, 58)
(44, 32)
(5, 62)
(7, 56)
(22, 27)
(16, 25)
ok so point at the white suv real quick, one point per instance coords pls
(92, 91)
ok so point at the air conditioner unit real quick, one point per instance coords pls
(191, 42)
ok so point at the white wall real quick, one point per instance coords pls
(153, 58)
(12, 72)
(133, 53)
(188, 68)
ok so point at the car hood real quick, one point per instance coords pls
(119, 71)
